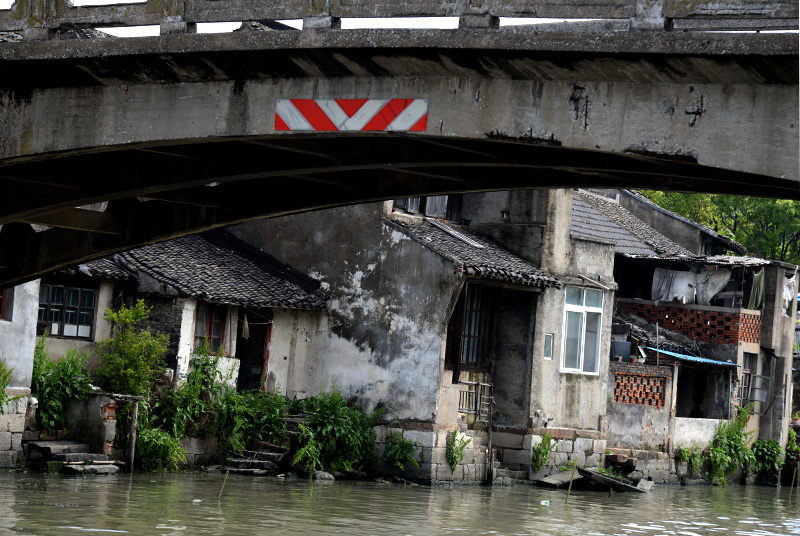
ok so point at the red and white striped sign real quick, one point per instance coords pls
(352, 115)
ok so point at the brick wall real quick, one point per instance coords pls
(165, 317)
(720, 327)
(640, 384)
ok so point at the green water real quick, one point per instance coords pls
(190, 504)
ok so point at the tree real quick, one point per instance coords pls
(768, 228)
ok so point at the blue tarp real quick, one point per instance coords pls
(695, 359)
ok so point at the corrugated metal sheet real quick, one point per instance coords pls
(684, 357)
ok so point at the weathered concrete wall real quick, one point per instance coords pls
(635, 425)
(93, 421)
(693, 432)
(725, 118)
(513, 353)
(389, 300)
(18, 333)
(777, 332)
(522, 232)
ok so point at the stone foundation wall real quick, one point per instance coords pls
(586, 448)
(12, 426)
(647, 464)
(430, 451)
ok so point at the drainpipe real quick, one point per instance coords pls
(730, 390)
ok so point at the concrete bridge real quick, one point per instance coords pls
(185, 132)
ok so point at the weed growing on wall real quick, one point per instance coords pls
(157, 450)
(399, 451)
(455, 446)
(768, 458)
(729, 449)
(541, 452)
(792, 447)
(310, 454)
(5, 381)
(54, 383)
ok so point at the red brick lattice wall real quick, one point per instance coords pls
(639, 389)
(720, 327)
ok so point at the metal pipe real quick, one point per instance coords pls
(592, 281)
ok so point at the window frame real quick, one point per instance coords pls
(208, 334)
(584, 310)
(479, 338)
(79, 309)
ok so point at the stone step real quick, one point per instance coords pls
(90, 469)
(264, 455)
(58, 447)
(513, 474)
(240, 471)
(249, 463)
(80, 457)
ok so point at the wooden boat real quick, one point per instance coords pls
(618, 483)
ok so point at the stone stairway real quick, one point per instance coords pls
(69, 457)
(265, 460)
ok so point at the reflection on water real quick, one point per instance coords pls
(190, 504)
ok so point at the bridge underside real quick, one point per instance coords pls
(178, 133)
(161, 191)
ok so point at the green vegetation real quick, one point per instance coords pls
(729, 449)
(769, 228)
(768, 458)
(157, 450)
(610, 471)
(541, 452)
(5, 381)
(346, 436)
(692, 457)
(400, 451)
(54, 383)
(792, 447)
(131, 358)
(454, 451)
(310, 454)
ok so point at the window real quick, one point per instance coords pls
(446, 207)
(583, 314)
(66, 311)
(548, 346)
(3, 295)
(209, 323)
(469, 332)
(749, 367)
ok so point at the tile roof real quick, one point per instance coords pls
(726, 242)
(474, 255)
(597, 217)
(218, 268)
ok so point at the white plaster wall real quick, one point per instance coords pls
(693, 432)
(18, 333)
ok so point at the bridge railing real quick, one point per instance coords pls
(41, 19)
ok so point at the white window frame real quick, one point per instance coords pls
(583, 310)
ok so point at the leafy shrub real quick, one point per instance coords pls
(399, 451)
(541, 452)
(792, 447)
(131, 358)
(158, 450)
(251, 415)
(729, 449)
(5, 381)
(54, 383)
(310, 454)
(768, 457)
(346, 436)
(454, 451)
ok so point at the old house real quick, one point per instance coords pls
(442, 305)
(247, 304)
(716, 330)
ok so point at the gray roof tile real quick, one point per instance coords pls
(219, 268)
(479, 258)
